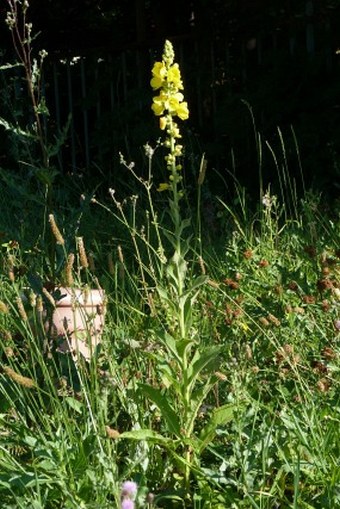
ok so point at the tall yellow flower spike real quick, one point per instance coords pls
(166, 77)
(169, 103)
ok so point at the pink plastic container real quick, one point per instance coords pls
(77, 321)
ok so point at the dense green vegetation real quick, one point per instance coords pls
(216, 380)
(270, 424)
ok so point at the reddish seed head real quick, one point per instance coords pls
(328, 353)
(233, 285)
(324, 284)
(247, 254)
(308, 299)
(263, 263)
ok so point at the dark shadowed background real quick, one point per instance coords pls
(271, 63)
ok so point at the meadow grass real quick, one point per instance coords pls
(270, 301)
(216, 383)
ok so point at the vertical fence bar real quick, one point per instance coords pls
(328, 46)
(310, 38)
(112, 91)
(124, 75)
(259, 48)
(71, 110)
(85, 112)
(124, 97)
(98, 109)
(198, 86)
(57, 110)
(213, 85)
(244, 71)
(140, 72)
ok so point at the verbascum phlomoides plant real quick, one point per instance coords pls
(185, 365)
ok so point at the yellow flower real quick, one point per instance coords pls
(163, 123)
(163, 187)
(173, 103)
(178, 96)
(177, 107)
(183, 111)
(174, 76)
(158, 105)
(158, 73)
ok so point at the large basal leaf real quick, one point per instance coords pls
(144, 434)
(219, 417)
(168, 413)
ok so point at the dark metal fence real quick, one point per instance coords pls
(108, 95)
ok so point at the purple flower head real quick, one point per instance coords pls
(127, 503)
(129, 489)
(337, 324)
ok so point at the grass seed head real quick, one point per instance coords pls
(82, 253)
(69, 270)
(21, 309)
(55, 230)
(3, 308)
(19, 379)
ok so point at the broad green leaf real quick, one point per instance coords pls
(183, 346)
(165, 297)
(188, 308)
(220, 416)
(176, 271)
(171, 497)
(170, 237)
(171, 344)
(197, 399)
(47, 465)
(196, 283)
(162, 293)
(170, 377)
(30, 441)
(186, 245)
(206, 359)
(160, 400)
(185, 223)
(74, 404)
(144, 434)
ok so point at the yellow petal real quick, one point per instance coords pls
(178, 96)
(183, 111)
(162, 123)
(174, 76)
(173, 104)
(158, 105)
(156, 82)
(159, 70)
(158, 75)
